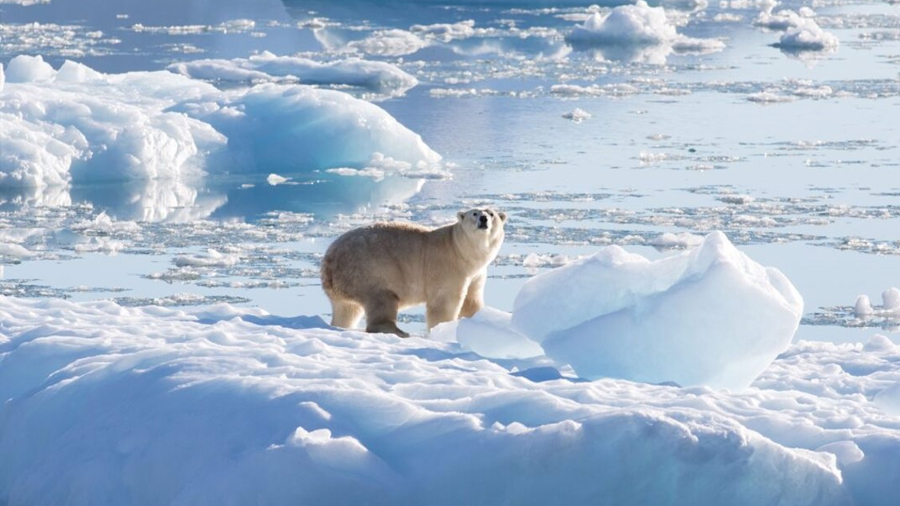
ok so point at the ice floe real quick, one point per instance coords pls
(117, 404)
(377, 77)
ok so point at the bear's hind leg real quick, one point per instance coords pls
(381, 314)
(345, 313)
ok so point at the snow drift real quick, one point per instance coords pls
(78, 125)
(710, 315)
(110, 405)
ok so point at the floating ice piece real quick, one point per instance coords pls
(628, 24)
(488, 334)
(275, 179)
(862, 307)
(807, 36)
(212, 258)
(782, 20)
(446, 31)
(890, 307)
(636, 26)
(577, 115)
(378, 77)
(710, 315)
(891, 299)
(390, 43)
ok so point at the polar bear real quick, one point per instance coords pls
(379, 269)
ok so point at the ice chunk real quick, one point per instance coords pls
(488, 334)
(709, 315)
(891, 299)
(577, 115)
(807, 36)
(627, 24)
(636, 32)
(862, 307)
(390, 43)
(24, 69)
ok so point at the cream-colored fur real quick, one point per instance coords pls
(382, 268)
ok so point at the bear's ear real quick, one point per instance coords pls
(460, 215)
(502, 216)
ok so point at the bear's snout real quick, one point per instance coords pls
(482, 221)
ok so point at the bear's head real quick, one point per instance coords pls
(483, 220)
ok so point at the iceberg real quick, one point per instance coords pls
(707, 316)
(76, 125)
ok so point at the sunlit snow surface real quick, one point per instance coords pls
(194, 152)
(154, 406)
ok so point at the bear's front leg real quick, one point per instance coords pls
(474, 299)
(444, 305)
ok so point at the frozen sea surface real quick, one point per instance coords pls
(172, 172)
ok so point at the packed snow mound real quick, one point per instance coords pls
(707, 316)
(635, 25)
(76, 125)
(378, 77)
(104, 404)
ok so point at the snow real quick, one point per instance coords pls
(76, 125)
(234, 406)
(709, 315)
(378, 77)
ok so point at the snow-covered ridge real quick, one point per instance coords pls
(78, 125)
(170, 407)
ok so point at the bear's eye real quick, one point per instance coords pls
(490, 213)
